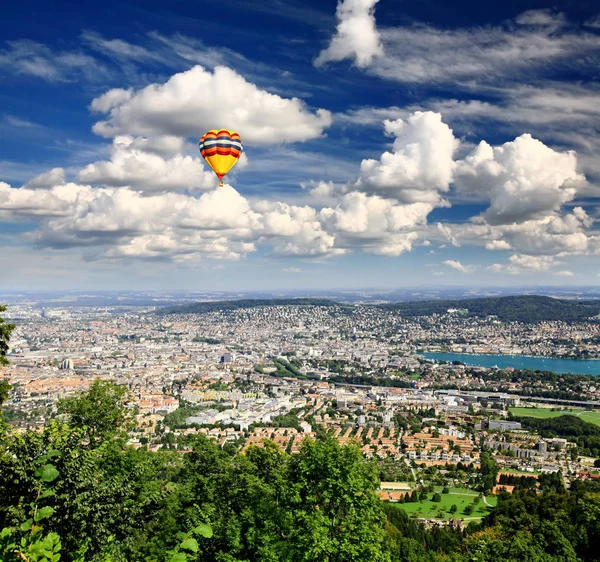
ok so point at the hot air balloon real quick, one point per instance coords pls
(221, 149)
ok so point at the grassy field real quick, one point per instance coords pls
(515, 471)
(545, 413)
(397, 486)
(459, 497)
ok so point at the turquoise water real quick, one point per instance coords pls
(562, 366)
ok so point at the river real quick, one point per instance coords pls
(562, 366)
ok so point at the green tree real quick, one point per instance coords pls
(488, 472)
(437, 498)
(4, 390)
(334, 512)
(5, 332)
(101, 411)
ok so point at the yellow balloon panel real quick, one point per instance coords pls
(221, 164)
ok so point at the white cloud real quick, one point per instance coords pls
(541, 18)
(295, 230)
(420, 165)
(497, 245)
(484, 55)
(377, 225)
(117, 48)
(20, 123)
(292, 270)
(139, 163)
(356, 34)
(455, 264)
(184, 106)
(523, 179)
(564, 273)
(55, 176)
(553, 235)
(26, 203)
(523, 264)
(35, 59)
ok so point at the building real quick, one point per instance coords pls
(66, 365)
(503, 425)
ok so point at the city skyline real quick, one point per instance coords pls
(386, 146)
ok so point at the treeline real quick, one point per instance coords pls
(526, 308)
(367, 380)
(223, 306)
(586, 435)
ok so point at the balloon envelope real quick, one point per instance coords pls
(221, 149)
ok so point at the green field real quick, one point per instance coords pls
(459, 497)
(545, 413)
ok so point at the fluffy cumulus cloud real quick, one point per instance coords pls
(150, 165)
(497, 245)
(121, 222)
(296, 230)
(420, 165)
(455, 264)
(523, 264)
(377, 225)
(356, 34)
(184, 106)
(523, 179)
(55, 176)
(41, 202)
(554, 235)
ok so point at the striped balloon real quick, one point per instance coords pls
(221, 149)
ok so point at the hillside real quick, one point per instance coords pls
(221, 306)
(526, 308)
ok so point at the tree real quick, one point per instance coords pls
(334, 513)
(4, 390)
(437, 498)
(101, 411)
(5, 332)
(453, 508)
(488, 472)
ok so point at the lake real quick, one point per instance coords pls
(562, 366)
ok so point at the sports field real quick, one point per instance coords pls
(441, 510)
(590, 416)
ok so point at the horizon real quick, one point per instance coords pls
(385, 147)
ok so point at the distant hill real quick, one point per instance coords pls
(527, 308)
(220, 306)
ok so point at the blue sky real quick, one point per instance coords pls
(387, 144)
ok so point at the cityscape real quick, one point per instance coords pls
(286, 372)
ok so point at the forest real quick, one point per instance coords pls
(76, 491)
(223, 306)
(525, 308)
